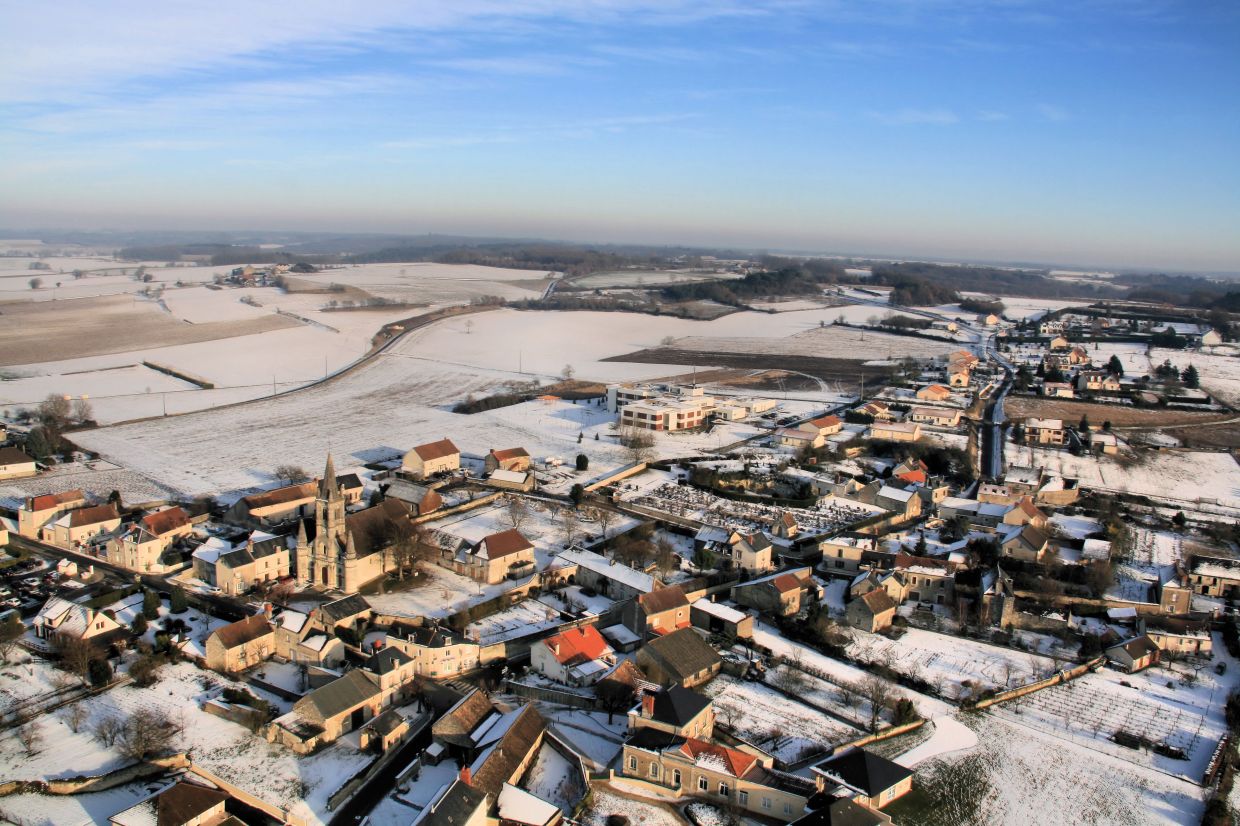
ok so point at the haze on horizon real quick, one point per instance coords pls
(1098, 132)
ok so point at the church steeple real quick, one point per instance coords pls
(328, 489)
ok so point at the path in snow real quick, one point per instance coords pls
(949, 735)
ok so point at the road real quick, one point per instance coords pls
(994, 421)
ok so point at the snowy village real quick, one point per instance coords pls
(468, 551)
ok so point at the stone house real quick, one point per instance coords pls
(14, 464)
(933, 393)
(872, 612)
(607, 576)
(516, 459)
(274, 507)
(926, 579)
(717, 618)
(420, 498)
(77, 527)
(692, 767)
(1044, 431)
(140, 546)
(436, 652)
(680, 658)
(937, 416)
(1028, 544)
(895, 431)
(677, 711)
(782, 594)
(659, 612)
(841, 555)
(37, 511)
(297, 641)
(425, 461)
(240, 645)
(1135, 654)
(492, 559)
(59, 617)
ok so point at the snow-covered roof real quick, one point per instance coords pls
(895, 494)
(291, 620)
(619, 635)
(601, 565)
(723, 612)
(510, 476)
(519, 806)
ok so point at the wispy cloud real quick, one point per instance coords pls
(1052, 112)
(520, 133)
(904, 117)
(992, 116)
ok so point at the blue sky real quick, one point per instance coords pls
(1091, 132)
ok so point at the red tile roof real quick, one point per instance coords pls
(51, 500)
(281, 496)
(735, 763)
(786, 583)
(243, 631)
(510, 453)
(577, 645)
(165, 521)
(436, 450)
(826, 421)
(504, 543)
(92, 516)
(918, 476)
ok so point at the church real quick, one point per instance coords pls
(344, 551)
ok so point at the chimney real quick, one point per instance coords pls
(466, 776)
(557, 649)
(647, 704)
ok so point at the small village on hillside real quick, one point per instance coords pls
(1000, 574)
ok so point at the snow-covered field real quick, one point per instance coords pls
(424, 282)
(439, 593)
(1171, 474)
(948, 662)
(1219, 369)
(831, 341)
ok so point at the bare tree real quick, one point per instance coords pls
(147, 731)
(107, 729)
(568, 372)
(75, 654)
(639, 443)
(75, 717)
(569, 525)
(83, 412)
(30, 736)
(11, 631)
(877, 692)
(606, 517)
(517, 511)
(291, 474)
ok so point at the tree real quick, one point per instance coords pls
(568, 372)
(583, 461)
(639, 442)
(1084, 424)
(75, 716)
(877, 692)
(291, 474)
(1190, 377)
(139, 626)
(99, 672)
(577, 492)
(83, 412)
(30, 736)
(517, 511)
(147, 731)
(107, 729)
(76, 655)
(145, 670)
(1115, 366)
(606, 517)
(569, 525)
(703, 559)
(150, 604)
(11, 631)
(35, 283)
(177, 602)
(54, 411)
(1179, 520)
(614, 696)
(41, 444)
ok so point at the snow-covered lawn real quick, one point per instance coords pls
(780, 726)
(522, 619)
(588, 733)
(947, 662)
(33, 809)
(606, 803)
(437, 593)
(555, 779)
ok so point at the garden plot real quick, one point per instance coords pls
(1219, 370)
(543, 526)
(780, 726)
(1021, 776)
(1092, 709)
(229, 751)
(588, 733)
(134, 488)
(949, 662)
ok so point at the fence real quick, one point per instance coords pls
(1059, 677)
(97, 783)
(551, 695)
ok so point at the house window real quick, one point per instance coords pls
(654, 770)
(676, 777)
(632, 763)
(743, 798)
(787, 808)
(766, 803)
(703, 784)
(723, 789)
